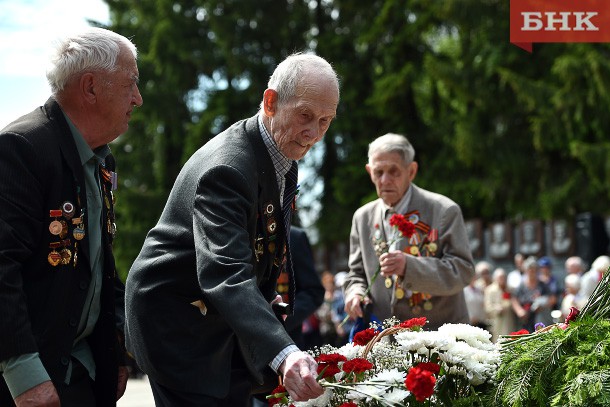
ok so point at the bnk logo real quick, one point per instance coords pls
(558, 21)
(563, 21)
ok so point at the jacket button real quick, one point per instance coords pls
(72, 321)
(83, 285)
(65, 361)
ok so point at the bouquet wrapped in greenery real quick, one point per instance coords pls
(401, 364)
(566, 364)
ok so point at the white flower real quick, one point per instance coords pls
(321, 401)
(350, 351)
(397, 395)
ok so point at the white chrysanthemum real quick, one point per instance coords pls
(321, 401)
(470, 334)
(391, 377)
(397, 396)
(350, 351)
(412, 341)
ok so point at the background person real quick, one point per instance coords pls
(429, 282)
(208, 269)
(62, 314)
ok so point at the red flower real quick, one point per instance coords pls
(406, 227)
(281, 392)
(363, 337)
(430, 367)
(420, 382)
(328, 364)
(357, 365)
(413, 322)
(349, 404)
(520, 332)
(505, 295)
(573, 314)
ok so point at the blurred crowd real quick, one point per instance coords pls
(530, 294)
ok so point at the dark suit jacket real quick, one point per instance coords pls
(309, 289)
(219, 240)
(41, 305)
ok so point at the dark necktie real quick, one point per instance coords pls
(290, 189)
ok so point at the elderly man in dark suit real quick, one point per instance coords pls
(423, 275)
(61, 303)
(199, 317)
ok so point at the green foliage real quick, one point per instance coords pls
(560, 367)
(504, 133)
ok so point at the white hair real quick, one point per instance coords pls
(288, 74)
(601, 263)
(392, 143)
(95, 49)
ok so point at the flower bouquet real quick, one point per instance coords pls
(565, 364)
(401, 364)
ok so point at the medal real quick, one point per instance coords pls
(55, 227)
(400, 293)
(432, 248)
(66, 256)
(54, 258)
(269, 209)
(388, 282)
(414, 250)
(271, 247)
(271, 225)
(428, 305)
(78, 232)
(67, 209)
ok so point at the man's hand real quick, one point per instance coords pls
(42, 395)
(300, 372)
(353, 307)
(122, 383)
(393, 263)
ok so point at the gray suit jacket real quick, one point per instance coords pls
(224, 203)
(442, 275)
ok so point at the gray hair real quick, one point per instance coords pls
(286, 76)
(393, 143)
(95, 49)
(530, 262)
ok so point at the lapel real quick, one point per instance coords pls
(269, 239)
(72, 160)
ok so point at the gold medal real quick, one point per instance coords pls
(388, 282)
(432, 247)
(428, 305)
(55, 227)
(271, 225)
(66, 256)
(414, 250)
(400, 293)
(54, 258)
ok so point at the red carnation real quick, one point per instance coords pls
(280, 391)
(328, 364)
(520, 332)
(420, 382)
(406, 227)
(413, 322)
(357, 365)
(430, 367)
(363, 337)
(349, 404)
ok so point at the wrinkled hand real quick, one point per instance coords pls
(353, 306)
(42, 395)
(300, 372)
(122, 383)
(393, 263)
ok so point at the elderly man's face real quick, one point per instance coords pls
(301, 122)
(391, 175)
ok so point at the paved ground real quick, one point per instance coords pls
(138, 394)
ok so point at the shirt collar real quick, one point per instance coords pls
(84, 151)
(280, 162)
